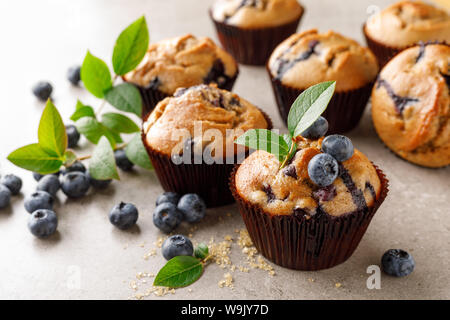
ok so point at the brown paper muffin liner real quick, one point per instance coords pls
(298, 243)
(209, 181)
(253, 46)
(343, 112)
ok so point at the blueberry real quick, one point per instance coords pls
(42, 223)
(98, 184)
(49, 183)
(37, 176)
(13, 182)
(323, 169)
(75, 167)
(39, 200)
(167, 217)
(318, 129)
(193, 207)
(5, 196)
(340, 147)
(75, 184)
(73, 136)
(122, 160)
(171, 197)
(397, 263)
(42, 90)
(177, 245)
(73, 75)
(124, 215)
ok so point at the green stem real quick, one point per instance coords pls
(291, 150)
(118, 147)
(102, 105)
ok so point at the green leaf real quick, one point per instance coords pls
(308, 106)
(102, 165)
(137, 153)
(201, 251)
(119, 123)
(95, 75)
(125, 97)
(130, 47)
(70, 158)
(34, 158)
(82, 111)
(262, 139)
(94, 130)
(179, 272)
(52, 133)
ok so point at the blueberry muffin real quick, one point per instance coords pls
(310, 57)
(404, 24)
(251, 29)
(181, 62)
(190, 140)
(299, 222)
(411, 105)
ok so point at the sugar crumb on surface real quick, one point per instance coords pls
(227, 281)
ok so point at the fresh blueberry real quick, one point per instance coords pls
(171, 197)
(124, 215)
(73, 136)
(73, 75)
(318, 129)
(177, 245)
(397, 263)
(122, 160)
(75, 184)
(338, 146)
(75, 167)
(37, 176)
(98, 184)
(5, 196)
(42, 90)
(167, 217)
(193, 207)
(13, 182)
(39, 200)
(49, 183)
(42, 223)
(323, 169)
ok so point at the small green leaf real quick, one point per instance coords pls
(308, 106)
(137, 153)
(34, 158)
(262, 139)
(201, 251)
(95, 75)
(94, 130)
(289, 142)
(179, 272)
(70, 158)
(119, 123)
(125, 97)
(130, 47)
(82, 111)
(52, 133)
(102, 165)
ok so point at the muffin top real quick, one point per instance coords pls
(411, 105)
(256, 13)
(188, 116)
(183, 62)
(290, 191)
(406, 23)
(308, 58)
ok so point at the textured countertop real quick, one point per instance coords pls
(89, 258)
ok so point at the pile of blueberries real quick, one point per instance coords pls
(10, 185)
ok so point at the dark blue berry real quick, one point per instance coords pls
(73, 136)
(338, 146)
(13, 182)
(193, 207)
(42, 90)
(177, 245)
(167, 217)
(5, 196)
(37, 176)
(318, 129)
(397, 263)
(49, 183)
(171, 197)
(122, 160)
(98, 184)
(42, 223)
(39, 200)
(124, 215)
(73, 75)
(75, 167)
(323, 169)
(75, 184)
